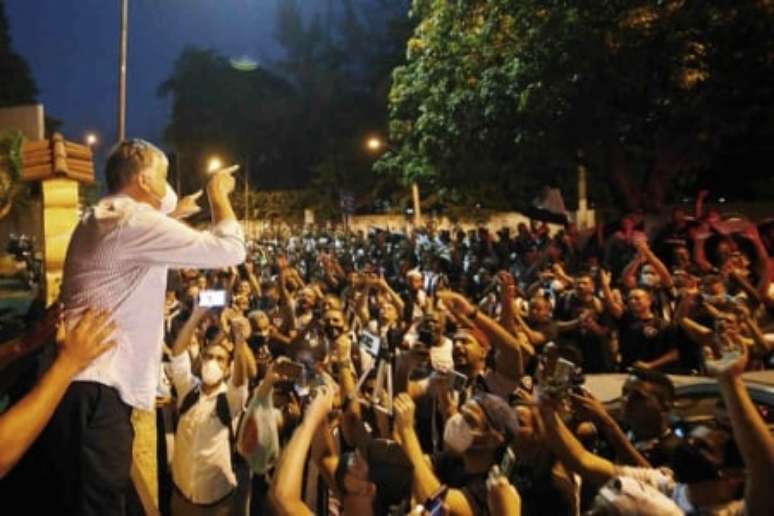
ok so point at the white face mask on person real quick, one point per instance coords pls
(169, 201)
(457, 434)
(212, 374)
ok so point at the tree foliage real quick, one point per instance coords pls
(653, 94)
(17, 85)
(303, 119)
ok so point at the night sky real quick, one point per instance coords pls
(72, 49)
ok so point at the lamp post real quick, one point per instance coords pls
(121, 133)
(376, 144)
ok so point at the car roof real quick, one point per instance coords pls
(760, 385)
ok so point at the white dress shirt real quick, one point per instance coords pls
(201, 464)
(117, 260)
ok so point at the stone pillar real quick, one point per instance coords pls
(59, 166)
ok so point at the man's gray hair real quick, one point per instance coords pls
(127, 159)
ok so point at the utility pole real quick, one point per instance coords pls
(122, 71)
(247, 183)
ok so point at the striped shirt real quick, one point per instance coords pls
(117, 260)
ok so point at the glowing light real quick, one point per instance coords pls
(244, 63)
(91, 139)
(214, 164)
(374, 144)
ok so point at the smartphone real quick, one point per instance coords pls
(370, 343)
(434, 505)
(458, 380)
(291, 370)
(212, 298)
(506, 465)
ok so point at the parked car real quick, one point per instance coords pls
(697, 398)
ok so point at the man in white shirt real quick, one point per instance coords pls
(117, 260)
(203, 473)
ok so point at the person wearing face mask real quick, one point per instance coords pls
(117, 260)
(475, 439)
(648, 272)
(204, 469)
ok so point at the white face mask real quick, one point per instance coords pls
(557, 286)
(457, 434)
(212, 374)
(169, 201)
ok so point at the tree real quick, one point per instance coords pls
(653, 94)
(218, 110)
(18, 86)
(305, 117)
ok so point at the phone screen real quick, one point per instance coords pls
(506, 465)
(370, 343)
(212, 298)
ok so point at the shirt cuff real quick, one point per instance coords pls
(228, 227)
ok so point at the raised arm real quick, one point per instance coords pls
(750, 433)
(624, 449)
(22, 423)
(661, 270)
(242, 354)
(612, 303)
(285, 491)
(426, 483)
(184, 337)
(394, 298)
(571, 452)
(511, 362)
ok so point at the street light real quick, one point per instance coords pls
(121, 132)
(91, 139)
(376, 144)
(214, 164)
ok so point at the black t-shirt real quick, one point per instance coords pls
(643, 339)
(450, 470)
(594, 350)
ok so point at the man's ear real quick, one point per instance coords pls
(143, 179)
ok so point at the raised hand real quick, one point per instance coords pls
(404, 409)
(725, 365)
(589, 406)
(605, 277)
(188, 206)
(321, 405)
(222, 182)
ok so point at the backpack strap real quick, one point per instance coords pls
(189, 400)
(224, 416)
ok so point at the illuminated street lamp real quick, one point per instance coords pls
(214, 164)
(91, 139)
(375, 144)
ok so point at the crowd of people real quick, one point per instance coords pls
(426, 372)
